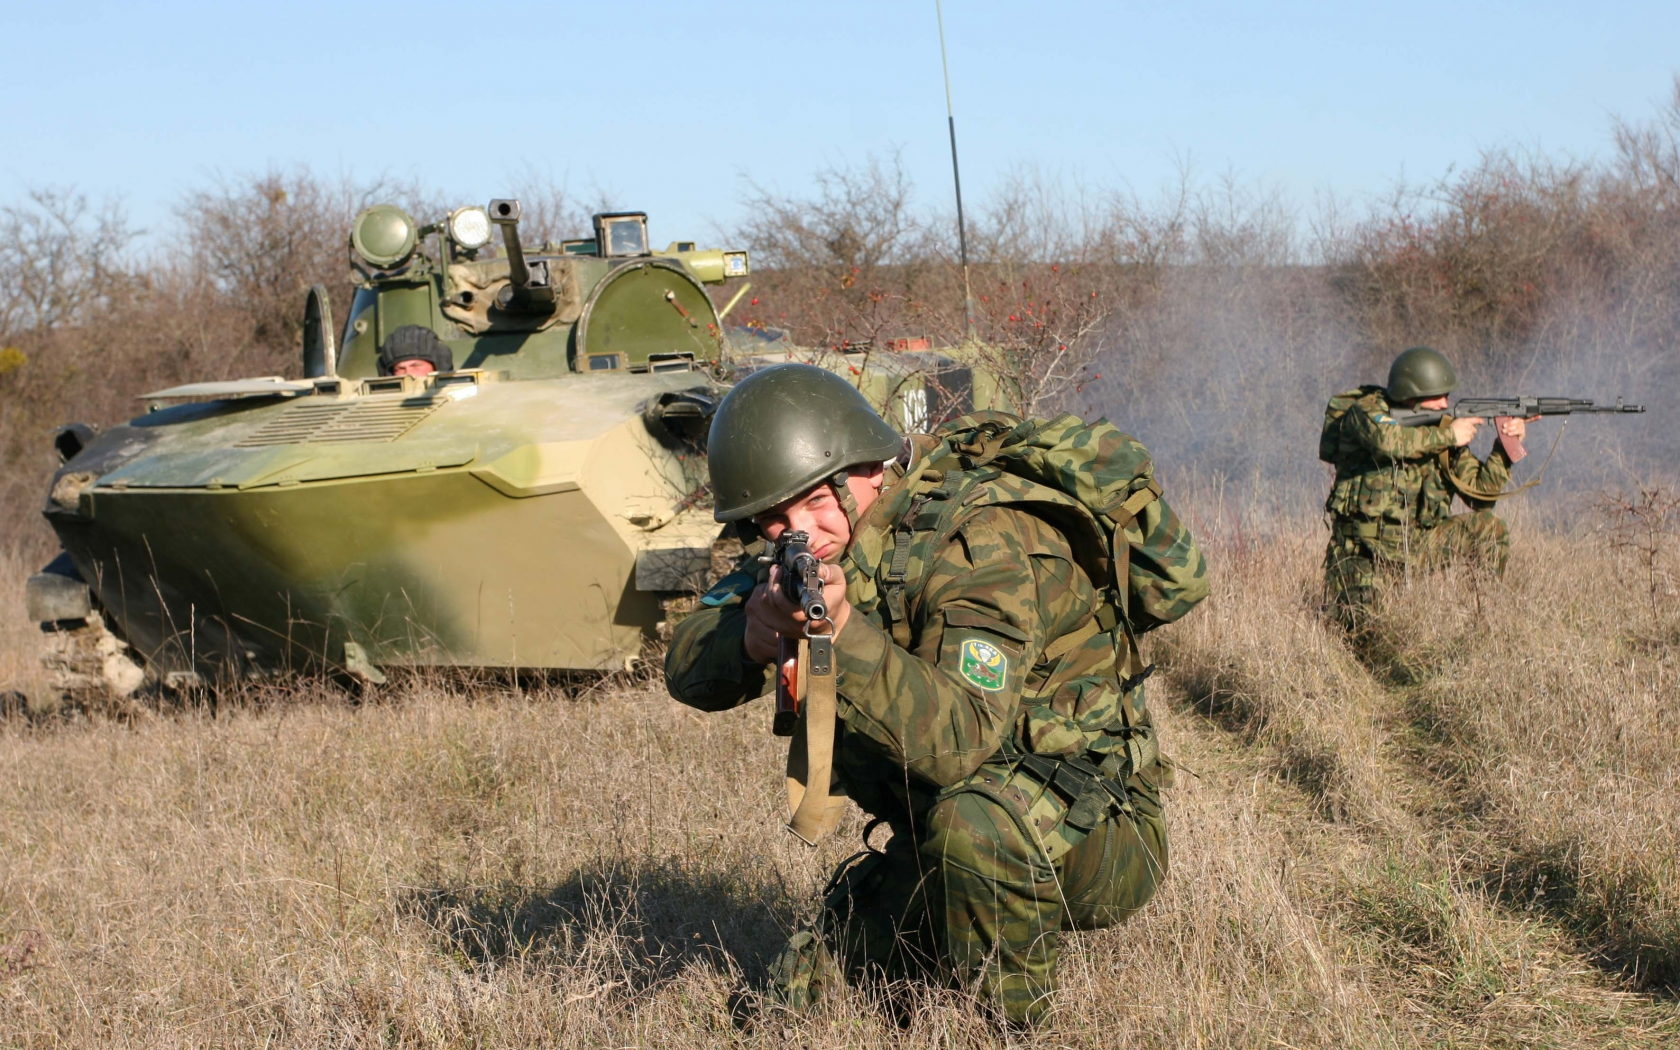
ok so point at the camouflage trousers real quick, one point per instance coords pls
(1355, 564)
(978, 895)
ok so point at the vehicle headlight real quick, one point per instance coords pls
(469, 228)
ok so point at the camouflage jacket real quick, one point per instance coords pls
(1394, 475)
(1006, 647)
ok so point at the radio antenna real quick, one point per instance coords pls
(956, 177)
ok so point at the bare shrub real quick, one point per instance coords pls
(61, 258)
(1530, 269)
(258, 242)
(858, 220)
(1645, 525)
(856, 266)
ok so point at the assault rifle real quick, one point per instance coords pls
(1520, 407)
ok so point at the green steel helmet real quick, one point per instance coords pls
(784, 429)
(1420, 372)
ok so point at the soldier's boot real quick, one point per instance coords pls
(874, 922)
(802, 974)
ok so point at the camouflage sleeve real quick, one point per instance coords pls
(1388, 441)
(706, 666)
(996, 595)
(1168, 573)
(1489, 475)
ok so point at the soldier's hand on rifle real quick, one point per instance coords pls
(772, 615)
(1515, 428)
(1464, 430)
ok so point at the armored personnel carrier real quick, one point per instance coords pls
(532, 504)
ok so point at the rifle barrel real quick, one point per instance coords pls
(1514, 406)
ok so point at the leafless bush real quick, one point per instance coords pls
(258, 242)
(857, 220)
(1212, 321)
(855, 265)
(1522, 256)
(1646, 526)
(61, 258)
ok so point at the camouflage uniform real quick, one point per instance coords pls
(983, 717)
(1390, 506)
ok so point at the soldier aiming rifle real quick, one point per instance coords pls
(969, 673)
(1401, 456)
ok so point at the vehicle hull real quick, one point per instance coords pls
(545, 540)
(282, 578)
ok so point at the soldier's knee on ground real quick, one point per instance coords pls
(1497, 536)
(1117, 869)
(1479, 537)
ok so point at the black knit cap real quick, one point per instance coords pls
(414, 341)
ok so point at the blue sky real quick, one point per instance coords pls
(668, 106)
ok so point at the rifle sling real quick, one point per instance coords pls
(816, 812)
(1470, 492)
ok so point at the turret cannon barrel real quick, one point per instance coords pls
(529, 287)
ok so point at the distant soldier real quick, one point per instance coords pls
(414, 350)
(990, 698)
(1390, 506)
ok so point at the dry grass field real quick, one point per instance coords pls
(1465, 837)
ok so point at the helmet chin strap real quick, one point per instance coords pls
(843, 495)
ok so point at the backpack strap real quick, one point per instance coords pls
(1133, 670)
(1141, 496)
(925, 514)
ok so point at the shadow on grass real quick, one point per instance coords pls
(1611, 917)
(630, 921)
(1612, 921)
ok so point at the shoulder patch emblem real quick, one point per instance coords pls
(983, 664)
(736, 584)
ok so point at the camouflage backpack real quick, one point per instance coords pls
(1329, 439)
(1090, 481)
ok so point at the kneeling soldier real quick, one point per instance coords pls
(1390, 505)
(990, 699)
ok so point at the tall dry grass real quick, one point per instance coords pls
(1507, 744)
(516, 871)
(1548, 702)
(21, 675)
(469, 864)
